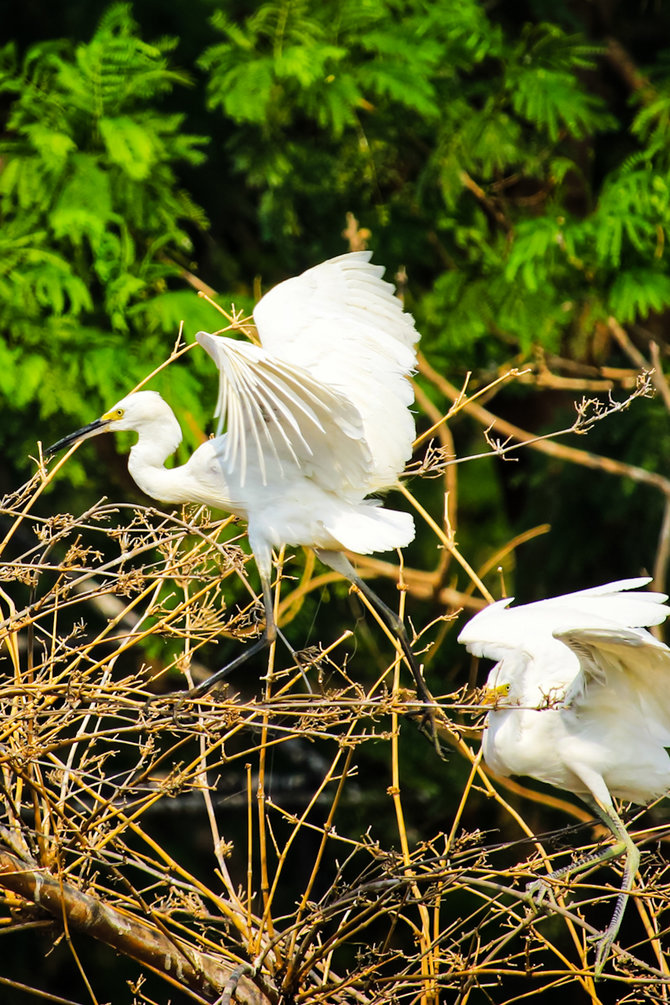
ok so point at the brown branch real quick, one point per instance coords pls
(489, 204)
(356, 236)
(624, 376)
(658, 377)
(542, 377)
(626, 344)
(419, 584)
(663, 550)
(194, 281)
(546, 446)
(443, 434)
(179, 963)
(621, 61)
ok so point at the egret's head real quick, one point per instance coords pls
(505, 682)
(497, 695)
(138, 411)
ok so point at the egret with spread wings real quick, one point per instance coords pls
(317, 419)
(581, 695)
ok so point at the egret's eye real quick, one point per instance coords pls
(492, 695)
(113, 414)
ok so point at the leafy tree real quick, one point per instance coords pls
(514, 160)
(464, 139)
(92, 217)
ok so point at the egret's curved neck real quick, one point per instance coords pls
(146, 462)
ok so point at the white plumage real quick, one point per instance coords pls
(319, 415)
(316, 419)
(581, 694)
(344, 325)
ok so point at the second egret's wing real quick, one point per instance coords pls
(624, 672)
(541, 629)
(278, 418)
(620, 603)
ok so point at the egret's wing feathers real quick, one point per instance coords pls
(346, 287)
(622, 670)
(342, 323)
(485, 635)
(285, 417)
(260, 401)
(541, 631)
(609, 605)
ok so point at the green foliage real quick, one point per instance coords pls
(91, 213)
(325, 62)
(541, 79)
(490, 151)
(445, 125)
(339, 94)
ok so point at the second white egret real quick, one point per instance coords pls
(317, 420)
(581, 696)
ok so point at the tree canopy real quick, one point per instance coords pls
(509, 165)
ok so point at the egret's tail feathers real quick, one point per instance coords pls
(368, 528)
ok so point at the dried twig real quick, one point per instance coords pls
(298, 893)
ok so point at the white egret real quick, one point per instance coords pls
(581, 695)
(317, 420)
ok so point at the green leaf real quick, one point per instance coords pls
(635, 293)
(534, 243)
(53, 147)
(84, 206)
(554, 100)
(129, 144)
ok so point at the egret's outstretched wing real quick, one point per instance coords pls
(342, 323)
(277, 418)
(539, 630)
(348, 287)
(623, 672)
(497, 628)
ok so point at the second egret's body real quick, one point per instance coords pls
(581, 695)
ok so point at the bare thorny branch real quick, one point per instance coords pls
(293, 899)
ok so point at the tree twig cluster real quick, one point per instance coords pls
(227, 847)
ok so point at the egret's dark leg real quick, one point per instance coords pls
(337, 561)
(261, 644)
(270, 633)
(299, 661)
(203, 687)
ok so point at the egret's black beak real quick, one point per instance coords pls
(92, 429)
